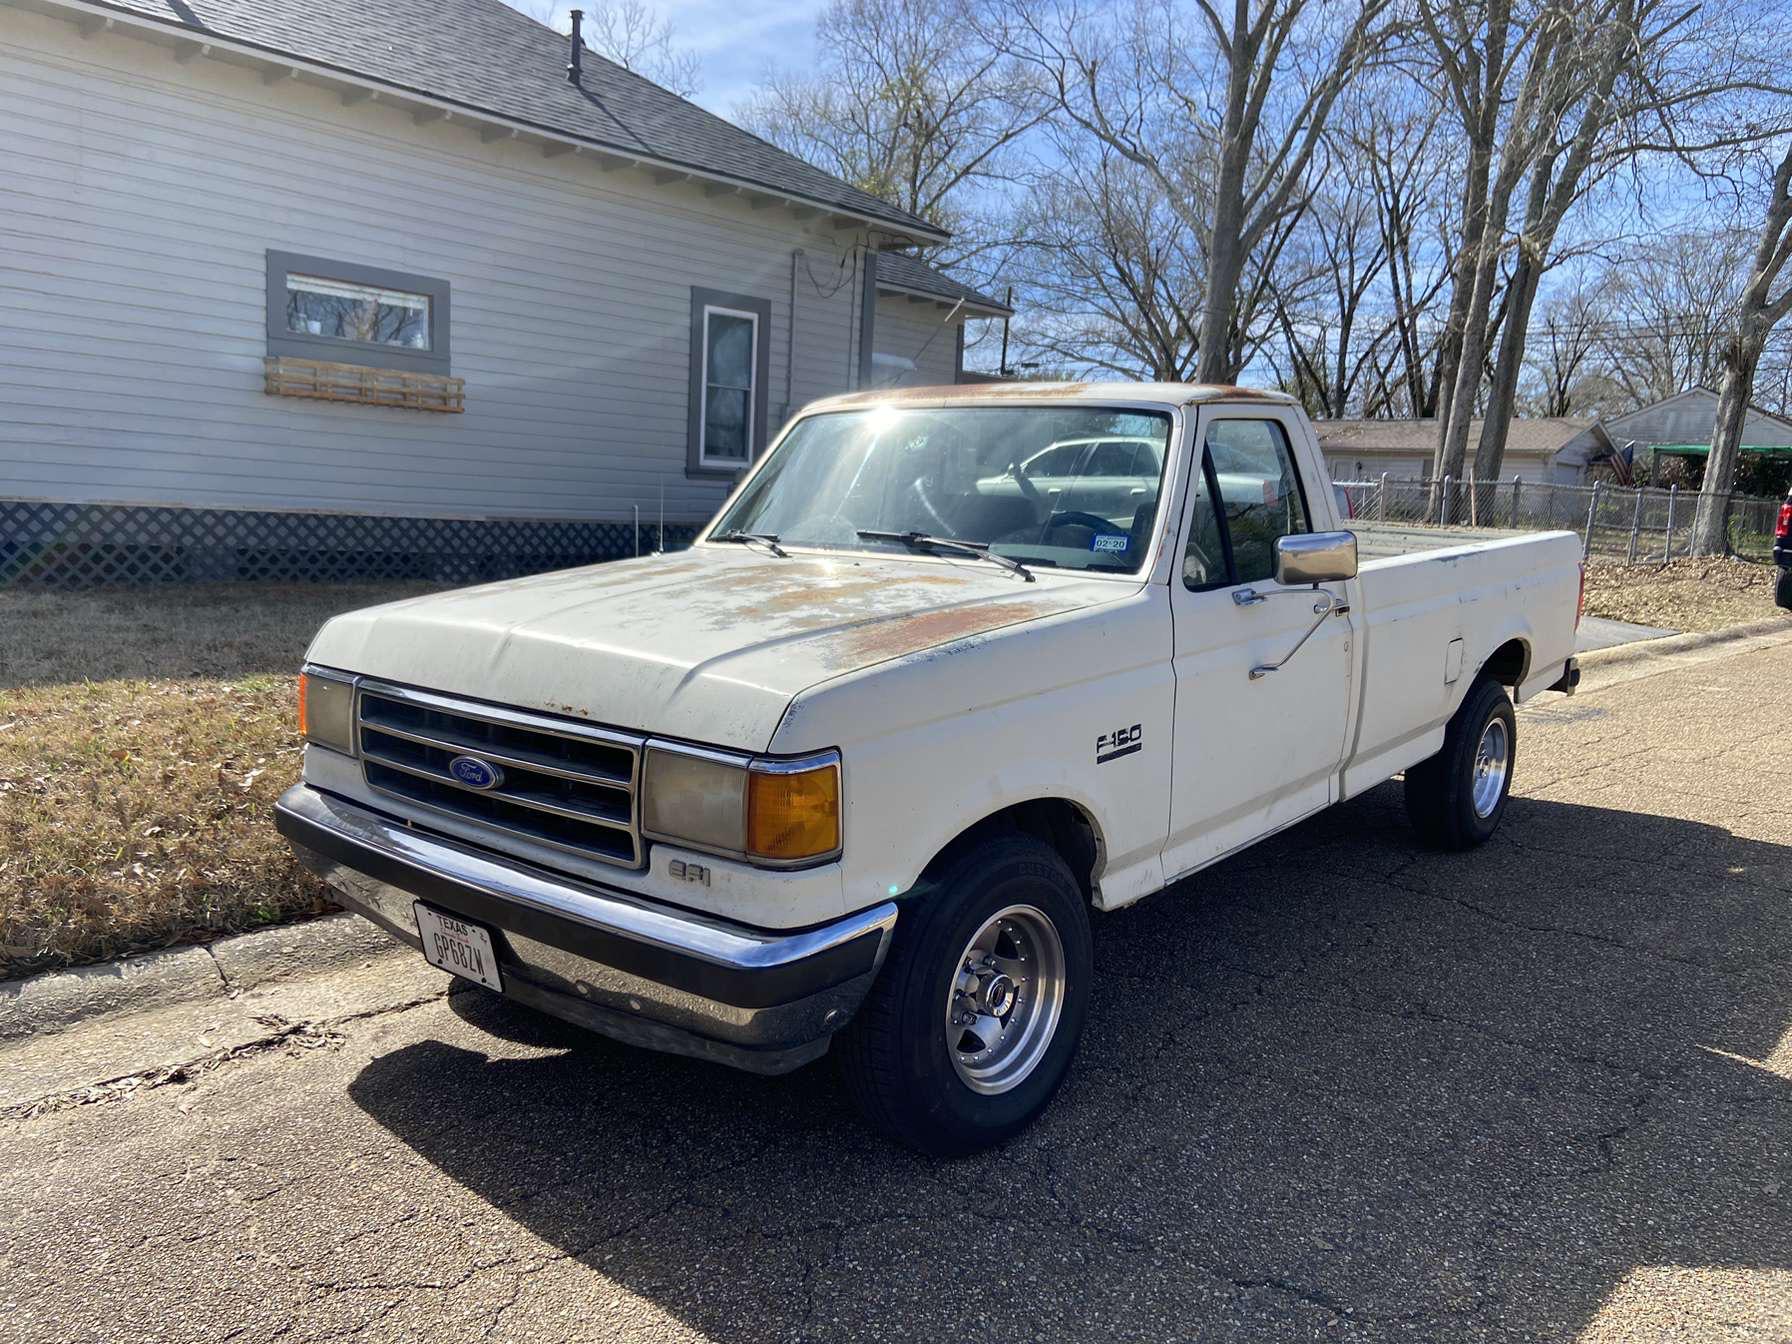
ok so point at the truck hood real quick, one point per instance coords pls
(709, 644)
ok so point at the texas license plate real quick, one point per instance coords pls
(457, 946)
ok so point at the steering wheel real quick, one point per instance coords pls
(1077, 518)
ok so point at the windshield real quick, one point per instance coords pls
(1070, 487)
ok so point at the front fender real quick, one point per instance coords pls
(935, 742)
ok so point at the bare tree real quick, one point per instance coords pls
(1354, 313)
(911, 104)
(1238, 99)
(1643, 68)
(1668, 306)
(1514, 75)
(1766, 300)
(1564, 358)
(632, 35)
(1111, 278)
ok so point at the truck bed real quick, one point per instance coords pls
(1381, 541)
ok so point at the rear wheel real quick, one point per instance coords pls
(1455, 799)
(972, 1023)
(1782, 589)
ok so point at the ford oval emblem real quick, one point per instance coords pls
(475, 773)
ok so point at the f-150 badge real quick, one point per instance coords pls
(1121, 742)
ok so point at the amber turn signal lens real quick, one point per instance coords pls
(793, 815)
(326, 711)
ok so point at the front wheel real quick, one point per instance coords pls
(1455, 799)
(972, 1023)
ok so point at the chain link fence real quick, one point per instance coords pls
(1636, 524)
(48, 545)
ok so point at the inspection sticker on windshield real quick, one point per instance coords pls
(1110, 541)
(458, 947)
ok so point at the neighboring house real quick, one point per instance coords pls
(413, 258)
(1555, 450)
(1682, 425)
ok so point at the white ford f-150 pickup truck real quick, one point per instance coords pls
(950, 669)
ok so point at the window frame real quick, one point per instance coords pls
(704, 303)
(341, 350)
(1211, 476)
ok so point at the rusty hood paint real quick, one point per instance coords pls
(709, 645)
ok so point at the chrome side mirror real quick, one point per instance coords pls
(1315, 557)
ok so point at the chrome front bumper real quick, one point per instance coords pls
(633, 969)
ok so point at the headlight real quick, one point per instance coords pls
(327, 710)
(768, 811)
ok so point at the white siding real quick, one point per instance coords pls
(1689, 418)
(918, 332)
(139, 196)
(1346, 466)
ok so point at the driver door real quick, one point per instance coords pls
(1251, 755)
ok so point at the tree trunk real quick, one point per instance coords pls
(1741, 358)
(1761, 310)
(1453, 444)
(1462, 289)
(1225, 265)
(1521, 296)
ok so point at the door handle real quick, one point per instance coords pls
(1250, 597)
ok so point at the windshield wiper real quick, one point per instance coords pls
(765, 539)
(922, 541)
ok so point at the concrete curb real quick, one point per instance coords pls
(1669, 645)
(58, 1000)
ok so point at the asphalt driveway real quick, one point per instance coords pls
(1337, 1088)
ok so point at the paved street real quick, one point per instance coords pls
(1336, 1088)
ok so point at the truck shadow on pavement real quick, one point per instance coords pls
(1336, 1081)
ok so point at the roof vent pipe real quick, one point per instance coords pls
(578, 47)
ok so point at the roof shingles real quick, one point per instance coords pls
(484, 55)
(1532, 437)
(905, 271)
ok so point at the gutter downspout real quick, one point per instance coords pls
(790, 336)
(868, 317)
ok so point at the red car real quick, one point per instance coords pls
(1782, 554)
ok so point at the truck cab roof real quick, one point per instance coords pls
(1007, 394)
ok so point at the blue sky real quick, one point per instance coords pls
(736, 40)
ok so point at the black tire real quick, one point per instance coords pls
(1440, 792)
(894, 1058)
(1782, 589)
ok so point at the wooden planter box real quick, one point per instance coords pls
(321, 380)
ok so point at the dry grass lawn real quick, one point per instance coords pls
(144, 735)
(1688, 594)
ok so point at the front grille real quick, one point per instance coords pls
(563, 785)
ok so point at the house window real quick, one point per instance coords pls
(730, 370)
(319, 306)
(729, 341)
(343, 312)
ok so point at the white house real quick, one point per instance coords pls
(417, 259)
(1682, 425)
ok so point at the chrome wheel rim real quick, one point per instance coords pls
(1491, 760)
(1005, 999)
